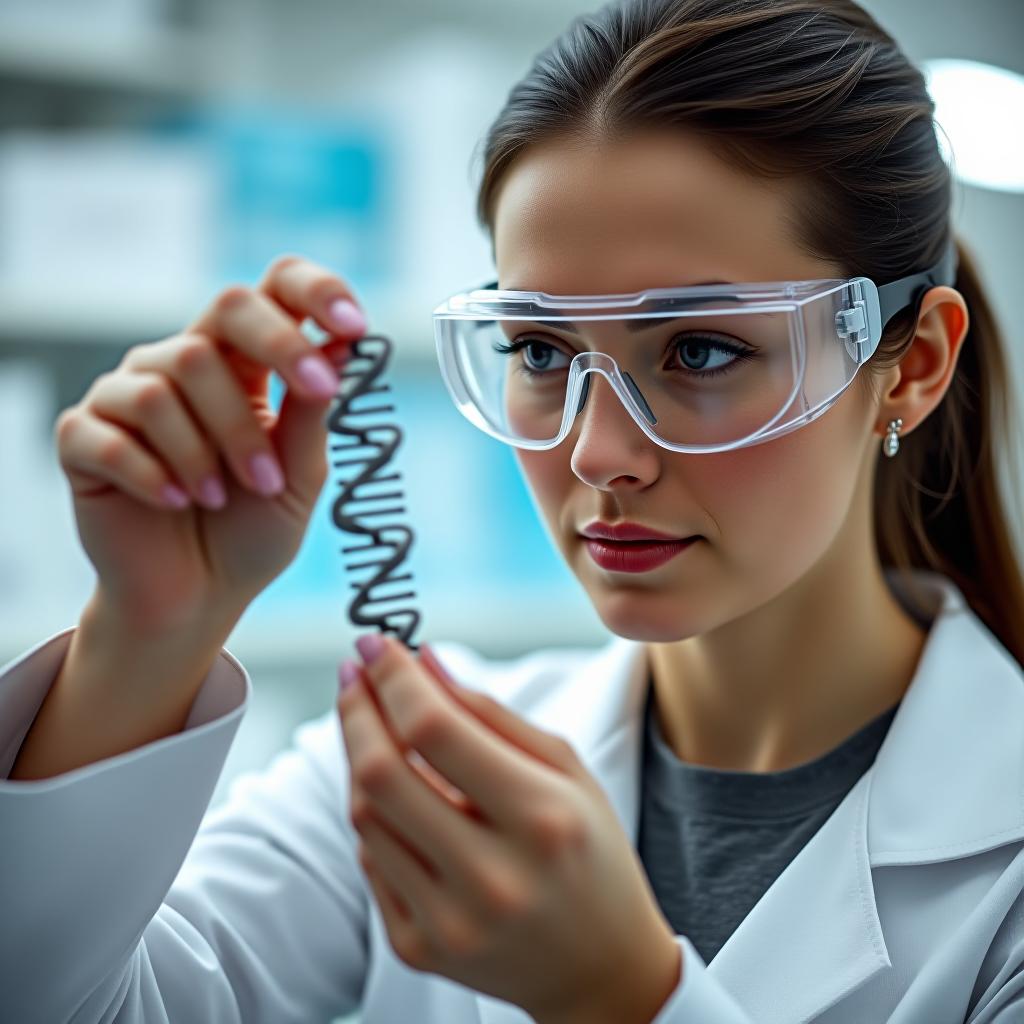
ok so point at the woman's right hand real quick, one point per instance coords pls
(193, 408)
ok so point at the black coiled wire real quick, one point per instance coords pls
(364, 450)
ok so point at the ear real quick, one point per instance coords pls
(921, 378)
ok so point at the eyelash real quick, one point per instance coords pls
(743, 354)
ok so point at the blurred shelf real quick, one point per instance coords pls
(162, 62)
(32, 319)
(89, 317)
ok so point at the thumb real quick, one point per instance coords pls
(300, 437)
(539, 743)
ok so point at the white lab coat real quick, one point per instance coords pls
(905, 907)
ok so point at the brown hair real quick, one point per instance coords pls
(814, 88)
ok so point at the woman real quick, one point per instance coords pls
(776, 795)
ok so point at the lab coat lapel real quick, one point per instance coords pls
(945, 784)
(815, 935)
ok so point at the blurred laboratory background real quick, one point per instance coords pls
(153, 151)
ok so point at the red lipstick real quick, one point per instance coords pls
(631, 547)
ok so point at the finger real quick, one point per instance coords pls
(97, 456)
(300, 437)
(445, 838)
(403, 872)
(305, 288)
(215, 397)
(395, 909)
(403, 927)
(541, 744)
(454, 742)
(258, 327)
(151, 404)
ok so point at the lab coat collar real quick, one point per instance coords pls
(815, 935)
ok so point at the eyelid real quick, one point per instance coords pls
(701, 331)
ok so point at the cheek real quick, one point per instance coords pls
(770, 511)
(782, 502)
(549, 483)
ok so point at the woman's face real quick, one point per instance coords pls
(662, 210)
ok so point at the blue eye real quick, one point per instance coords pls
(698, 349)
(523, 343)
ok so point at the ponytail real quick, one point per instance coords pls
(938, 506)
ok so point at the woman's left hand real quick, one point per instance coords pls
(495, 857)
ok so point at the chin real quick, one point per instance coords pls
(649, 616)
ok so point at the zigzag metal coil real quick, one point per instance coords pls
(360, 453)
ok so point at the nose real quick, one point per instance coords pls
(631, 386)
(604, 447)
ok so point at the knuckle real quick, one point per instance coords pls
(376, 774)
(552, 830)
(231, 298)
(131, 357)
(152, 395)
(410, 947)
(111, 452)
(194, 355)
(100, 383)
(429, 730)
(458, 936)
(65, 423)
(501, 895)
(281, 263)
(360, 812)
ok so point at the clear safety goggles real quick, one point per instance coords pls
(700, 369)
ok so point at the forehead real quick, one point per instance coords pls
(655, 210)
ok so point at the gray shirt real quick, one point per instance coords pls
(712, 841)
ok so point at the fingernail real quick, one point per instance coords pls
(348, 673)
(370, 647)
(317, 375)
(266, 474)
(212, 492)
(174, 496)
(347, 316)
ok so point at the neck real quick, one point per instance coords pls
(790, 680)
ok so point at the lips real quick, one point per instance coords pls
(626, 532)
(635, 556)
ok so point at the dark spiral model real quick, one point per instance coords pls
(369, 448)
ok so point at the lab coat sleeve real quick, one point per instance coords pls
(114, 909)
(699, 998)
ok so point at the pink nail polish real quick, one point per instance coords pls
(266, 474)
(211, 490)
(317, 375)
(348, 674)
(370, 647)
(175, 496)
(347, 317)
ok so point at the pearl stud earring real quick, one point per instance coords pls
(891, 444)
